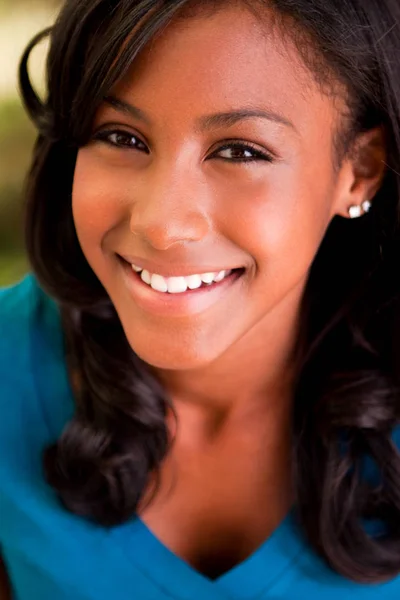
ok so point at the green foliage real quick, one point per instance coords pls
(17, 137)
(7, 5)
(16, 141)
(12, 268)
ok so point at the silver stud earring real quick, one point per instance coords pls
(357, 210)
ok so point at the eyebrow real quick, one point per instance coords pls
(207, 122)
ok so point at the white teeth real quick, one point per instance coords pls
(159, 283)
(177, 285)
(208, 277)
(193, 282)
(219, 276)
(145, 275)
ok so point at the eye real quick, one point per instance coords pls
(240, 152)
(233, 152)
(121, 139)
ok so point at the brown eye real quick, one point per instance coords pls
(241, 153)
(122, 139)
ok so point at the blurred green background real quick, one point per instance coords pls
(19, 21)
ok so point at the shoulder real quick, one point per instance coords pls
(16, 301)
(18, 307)
(30, 355)
(18, 304)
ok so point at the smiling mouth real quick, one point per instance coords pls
(179, 303)
(146, 279)
(233, 274)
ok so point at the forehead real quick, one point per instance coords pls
(221, 61)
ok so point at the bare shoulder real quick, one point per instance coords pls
(5, 589)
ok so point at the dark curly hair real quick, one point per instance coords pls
(347, 394)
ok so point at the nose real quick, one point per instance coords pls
(170, 206)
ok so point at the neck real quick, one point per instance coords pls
(253, 380)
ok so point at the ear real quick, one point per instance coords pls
(362, 172)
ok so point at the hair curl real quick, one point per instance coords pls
(348, 360)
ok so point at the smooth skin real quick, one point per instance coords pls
(169, 193)
(165, 190)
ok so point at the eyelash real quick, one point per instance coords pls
(104, 136)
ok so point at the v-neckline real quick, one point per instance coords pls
(245, 581)
(172, 574)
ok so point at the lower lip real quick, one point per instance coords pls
(182, 304)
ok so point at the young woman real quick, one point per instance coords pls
(199, 379)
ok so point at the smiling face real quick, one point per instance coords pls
(191, 194)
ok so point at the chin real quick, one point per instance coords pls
(163, 353)
(166, 360)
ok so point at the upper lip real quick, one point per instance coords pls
(173, 270)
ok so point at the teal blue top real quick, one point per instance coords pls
(51, 554)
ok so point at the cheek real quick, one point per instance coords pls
(281, 219)
(96, 204)
(277, 218)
